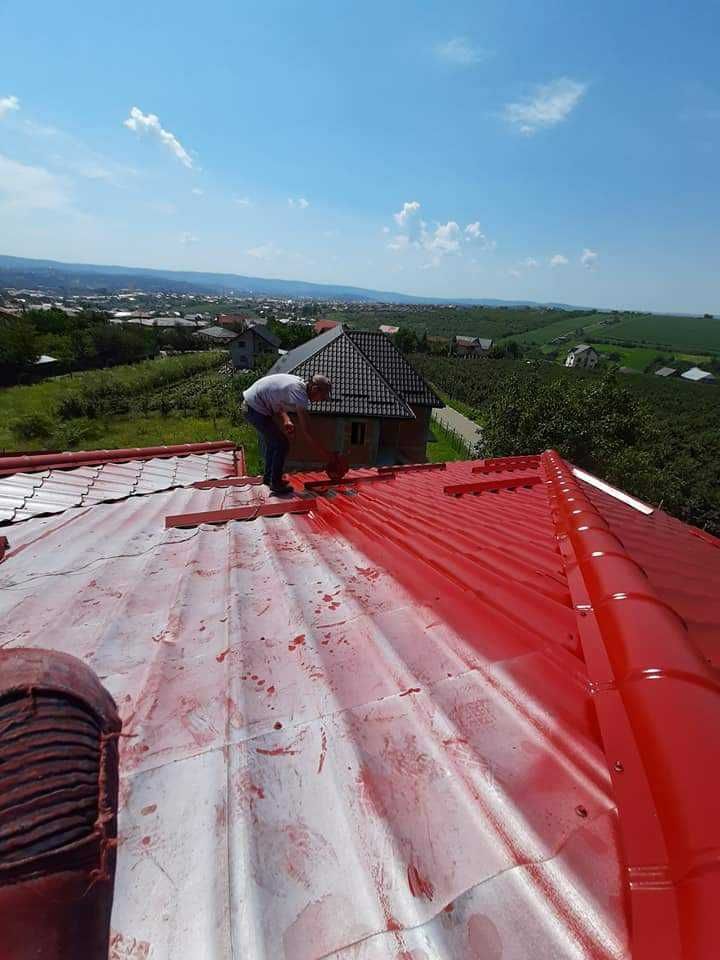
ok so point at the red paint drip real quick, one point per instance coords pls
(221, 656)
(277, 752)
(419, 885)
(411, 690)
(323, 751)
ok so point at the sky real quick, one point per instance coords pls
(550, 151)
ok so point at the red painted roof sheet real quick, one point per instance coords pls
(377, 730)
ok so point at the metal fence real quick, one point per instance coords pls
(455, 439)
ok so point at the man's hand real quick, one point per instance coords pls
(287, 425)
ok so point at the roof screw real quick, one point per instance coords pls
(618, 766)
(581, 811)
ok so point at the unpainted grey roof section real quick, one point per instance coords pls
(665, 372)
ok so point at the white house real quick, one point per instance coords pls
(583, 355)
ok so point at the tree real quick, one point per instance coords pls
(18, 348)
(597, 424)
(405, 340)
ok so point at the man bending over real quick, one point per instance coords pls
(271, 399)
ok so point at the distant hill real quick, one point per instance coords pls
(78, 278)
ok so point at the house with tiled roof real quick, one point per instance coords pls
(246, 343)
(431, 712)
(379, 411)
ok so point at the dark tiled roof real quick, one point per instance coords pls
(265, 334)
(370, 376)
(293, 358)
(217, 333)
(393, 366)
(358, 389)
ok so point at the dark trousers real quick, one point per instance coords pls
(274, 445)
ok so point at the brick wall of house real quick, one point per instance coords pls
(337, 433)
(359, 439)
(412, 436)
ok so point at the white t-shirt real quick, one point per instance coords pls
(279, 391)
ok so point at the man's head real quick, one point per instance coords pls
(319, 388)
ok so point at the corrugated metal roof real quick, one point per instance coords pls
(367, 732)
(54, 490)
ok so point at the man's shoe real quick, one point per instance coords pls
(282, 490)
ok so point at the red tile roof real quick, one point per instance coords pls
(406, 724)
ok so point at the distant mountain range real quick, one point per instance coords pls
(53, 276)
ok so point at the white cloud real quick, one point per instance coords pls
(551, 104)
(514, 273)
(299, 202)
(186, 239)
(474, 234)
(461, 52)
(7, 104)
(398, 243)
(149, 123)
(558, 260)
(589, 258)
(439, 240)
(530, 262)
(445, 238)
(409, 209)
(242, 201)
(196, 191)
(32, 188)
(266, 251)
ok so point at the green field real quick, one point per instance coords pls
(493, 322)
(679, 333)
(540, 336)
(635, 357)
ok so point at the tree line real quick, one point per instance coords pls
(79, 342)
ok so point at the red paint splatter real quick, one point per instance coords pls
(221, 656)
(270, 691)
(277, 752)
(369, 573)
(323, 751)
(419, 885)
(277, 725)
(297, 641)
(150, 808)
(146, 841)
(410, 690)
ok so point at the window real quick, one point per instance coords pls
(357, 434)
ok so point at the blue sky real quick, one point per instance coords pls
(549, 151)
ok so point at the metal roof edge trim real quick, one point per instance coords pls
(645, 675)
(31, 463)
